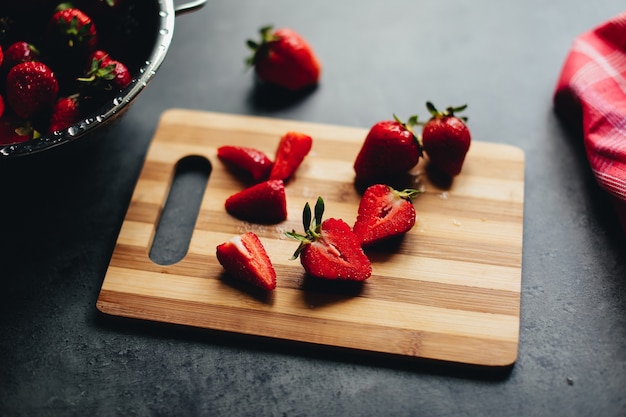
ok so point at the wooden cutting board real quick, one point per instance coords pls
(450, 290)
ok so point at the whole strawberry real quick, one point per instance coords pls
(103, 77)
(18, 52)
(446, 139)
(244, 257)
(284, 58)
(70, 29)
(66, 112)
(383, 213)
(390, 149)
(31, 87)
(329, 249)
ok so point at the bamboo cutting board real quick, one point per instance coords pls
(450, 290)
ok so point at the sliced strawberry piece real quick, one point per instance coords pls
(249, 160)
(245, 258)
(265, 202)
(384, 212)
(292, 149)
(329, 249)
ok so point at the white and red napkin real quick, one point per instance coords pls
(591, 95)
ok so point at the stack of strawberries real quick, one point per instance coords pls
(53, 77)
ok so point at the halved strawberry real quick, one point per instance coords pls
(291, 151)
(330, 249)
(384, 212)
(249, 160)
(245, 258)
(265, 202)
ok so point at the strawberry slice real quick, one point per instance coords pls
(292, 149)
(329, 249)
(252, 162)
(265, 202)
(384, 212)
(245, 258)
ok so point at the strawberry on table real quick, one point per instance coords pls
(30, 88)
(384, 212)
(446, 139)
(284, 58)
(390, 149)
(291, 151)
(245, 258)
(265, 203)
(249, 160)
(329, 249)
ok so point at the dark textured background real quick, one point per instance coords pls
(59, 220)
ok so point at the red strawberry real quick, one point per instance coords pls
(292, 149)
(284, 58)
(14, 131)
(66, 112)
(390, 149)
(251, 161)
(265, 202)
(69, 29)
(446, 139)
(384, 212)
(245, 258)
(105, 74)
(2, 106)
(18, 52)
(330, 249)
(31, 87)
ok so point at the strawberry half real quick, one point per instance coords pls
(265, 202)
(446, 139)
(245, 258)
(390, 149)
(329, 249)
(292, 149)
(384, 212)
(252, 162)
(284, 58)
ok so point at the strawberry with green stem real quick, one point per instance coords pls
(282, 57)
(390, 149)
(384, 212)
(329, 249)
(446, 139)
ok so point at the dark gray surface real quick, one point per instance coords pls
(60, 219)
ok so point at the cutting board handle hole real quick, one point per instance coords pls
(180, 212)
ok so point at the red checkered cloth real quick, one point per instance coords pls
(590, 95)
